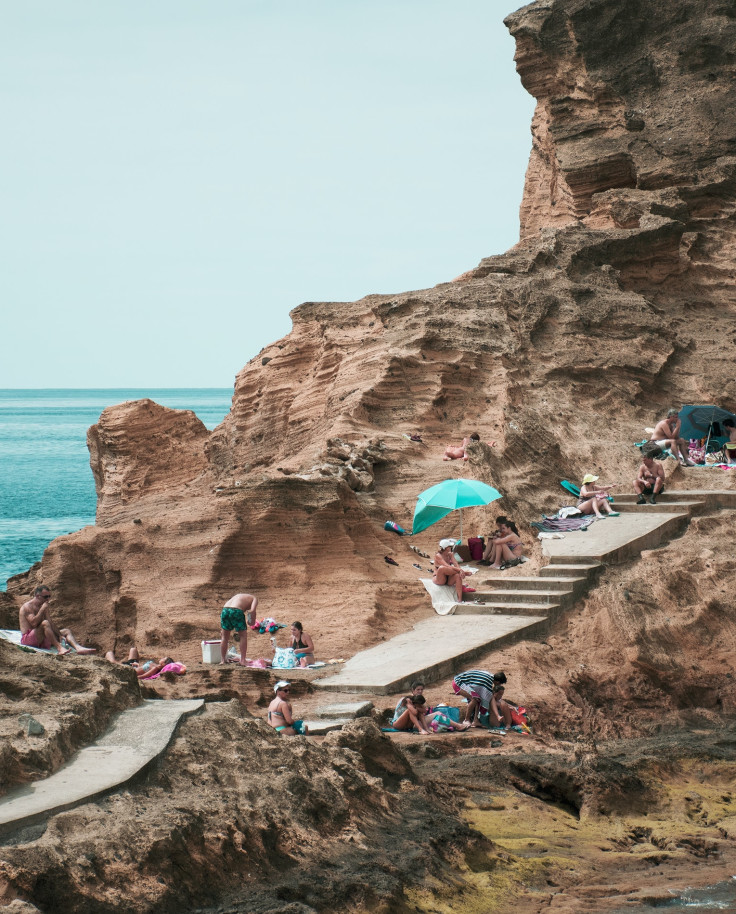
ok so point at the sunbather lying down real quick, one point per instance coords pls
(460, 453)
(143, 670)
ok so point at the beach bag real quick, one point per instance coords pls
(284, 658)
(519, 716)
(394, 527)
(476, 545)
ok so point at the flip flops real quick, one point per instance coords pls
(389, 561)
(419, 552)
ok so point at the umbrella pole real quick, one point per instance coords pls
(461, 525)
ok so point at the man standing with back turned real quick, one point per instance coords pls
(237, 614)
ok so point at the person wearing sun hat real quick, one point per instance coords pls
(448, 571)
(279, 712)
(594, 498)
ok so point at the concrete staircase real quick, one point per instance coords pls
(505, 608)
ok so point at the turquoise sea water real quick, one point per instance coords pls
(46, 485)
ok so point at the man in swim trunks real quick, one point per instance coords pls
(233, 618)
(650, 481)
(37, 629)
(667, 434)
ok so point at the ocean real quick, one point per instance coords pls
(46, 485)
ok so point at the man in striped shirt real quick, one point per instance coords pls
(484, 692)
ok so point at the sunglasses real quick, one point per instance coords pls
(285, 690)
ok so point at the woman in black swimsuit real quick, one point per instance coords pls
(302, 644)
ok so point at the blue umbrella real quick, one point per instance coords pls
(697, 421)
(450, 495)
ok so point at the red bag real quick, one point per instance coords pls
(519, 716)
(476, 546)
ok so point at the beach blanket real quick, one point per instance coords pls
(177, 668)
(444, 599)
(563, 525)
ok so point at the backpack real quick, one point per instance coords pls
(476, 545)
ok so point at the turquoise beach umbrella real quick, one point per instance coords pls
(451, 495)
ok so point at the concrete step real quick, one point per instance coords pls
(664, 497)
(490, 604)
(666, 507)
(564, 583)
(537, 597)
(573, 570)
(344, 710)
(492, 607)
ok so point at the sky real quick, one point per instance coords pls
(177, 175)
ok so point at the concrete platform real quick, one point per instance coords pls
(435, 648)
(616, 539)
(135, 739)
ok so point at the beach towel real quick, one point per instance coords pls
(177, 668)
(444, 598)
(563, 525)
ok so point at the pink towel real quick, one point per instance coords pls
(177, 668)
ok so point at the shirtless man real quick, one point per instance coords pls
(237, 614)
(650, 481)
(667, 434)
(37, 629)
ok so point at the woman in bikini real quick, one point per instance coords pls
(447, 570)
(506, 549)
(302, 644)
(594, 498)
(279, 712)
(409, 714)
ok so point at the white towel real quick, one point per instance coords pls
(444, 598)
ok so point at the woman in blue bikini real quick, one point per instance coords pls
(279, 712)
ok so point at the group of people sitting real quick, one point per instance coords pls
(483, 692)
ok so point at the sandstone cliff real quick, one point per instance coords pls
(617, 302)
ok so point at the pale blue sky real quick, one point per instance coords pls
(177, 175)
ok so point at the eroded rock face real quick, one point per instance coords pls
(271, 822)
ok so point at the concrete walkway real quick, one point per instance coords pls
(135, 739)
(617, 539)
(432, 649)
(509, 608)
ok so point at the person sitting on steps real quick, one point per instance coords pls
(649, 481)
(448, 571)
(594, 498)
(505, 548)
